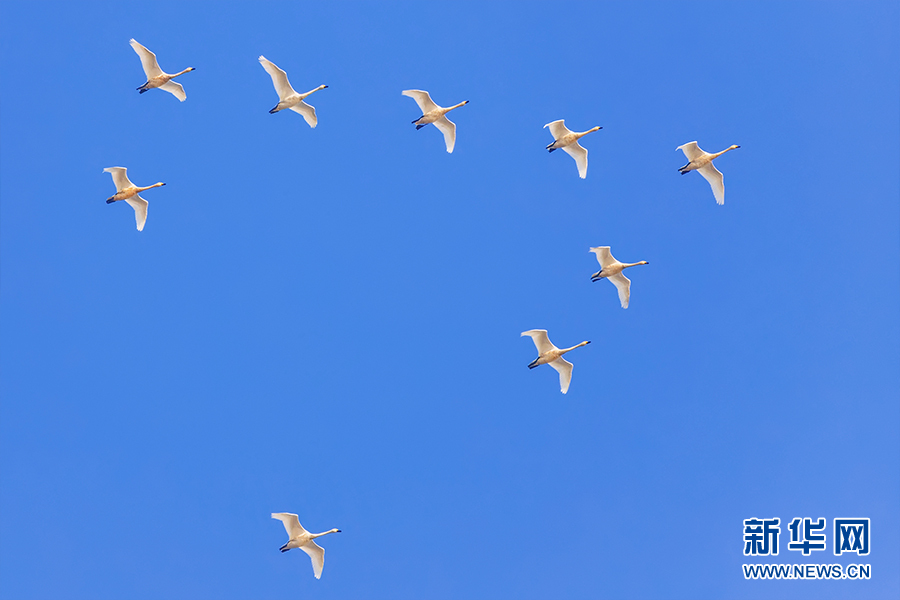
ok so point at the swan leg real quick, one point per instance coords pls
(597, 276)
(534, 363)
(284, 548)
(418, 127)
(684, 170)
(274, 110)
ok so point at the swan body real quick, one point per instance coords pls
(548, 354)
(432, 113)
(701, 161)
(127, 191)
(287, 96)
(612, 269)
(567, 140)
(156, 78)
(300, 538)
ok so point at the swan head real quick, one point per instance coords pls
(191, 69)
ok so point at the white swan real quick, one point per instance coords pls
(551, 355)
(127, 191)
(568, 141)
(287, 97)
(156, 78)
(612, 269)
(701, 161)
(300, 538)
(432, 113)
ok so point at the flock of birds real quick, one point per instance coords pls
(432, 114)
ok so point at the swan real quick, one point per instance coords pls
(568, 141)
(432, 113)
(701, 161)
(551, 355)
(127, 191)
(612, 269)
(301, 538)
(155, 76)
(287, 96)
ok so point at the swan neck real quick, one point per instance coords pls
(182, 72)
(718, 154)
(561, 352)
(317, 535)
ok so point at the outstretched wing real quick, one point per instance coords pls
(579, 153)
(140, 210)
(426, 104)
(308, 112)
(317, 554)
(175, 89)
(604, 256)
(291, 523)
(148, 60)
(564, 368)
(623, 284)
(716, 181)
(279, 78)
(540, 339)
(119, 177)
(448, 128)
(558, 129)
(691, 150)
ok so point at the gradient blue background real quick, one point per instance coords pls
(327, 321)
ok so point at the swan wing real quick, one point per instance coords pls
(175, 89)
(564, 368)
(140, 210)
(119, 177)
(423, 99)
(279, 78)
(623, 284)
(148, 60)
(448, 128)
(558, 129)
(578, 152)
(604, 256)
(291, 524)
(308, 112)
(691, 150)
(540, 339)
(716, 181)
(317, 554)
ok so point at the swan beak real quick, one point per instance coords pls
(338, 531)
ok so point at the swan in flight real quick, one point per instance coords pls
(287, 97)
(701, 161)
(568, 141)
(612, 269)
(301, 538)
(432, 113)
(551, 355)
(156, 78)
(127, 191)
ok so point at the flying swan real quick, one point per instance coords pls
(156, 78)
(127, 191)
(568, 141)
(701, 161)
(287, 97)
(612, 269)
(551, 355)
(300, 538)
(432, 113)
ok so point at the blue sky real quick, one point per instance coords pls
(326, 321)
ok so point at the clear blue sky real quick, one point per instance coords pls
(327, 321)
